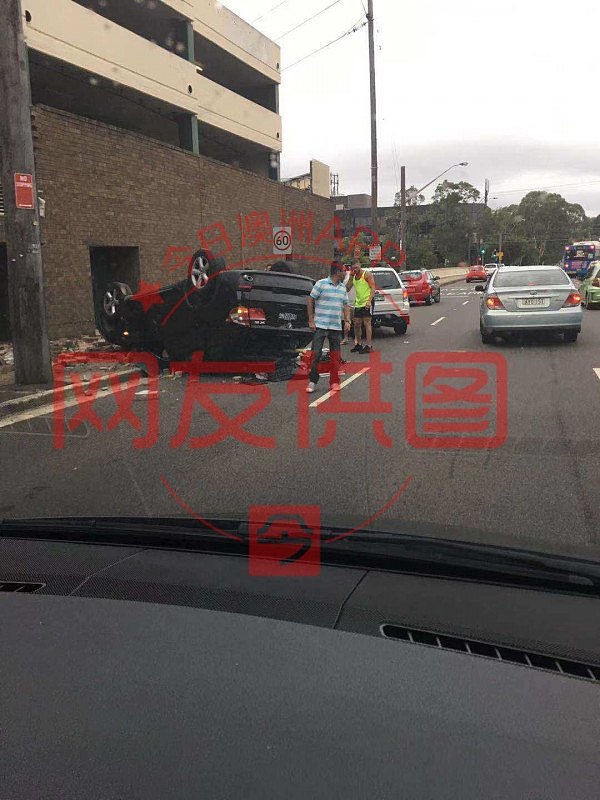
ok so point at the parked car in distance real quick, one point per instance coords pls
(532, 298)
(590, 286)
(225, 313)
(476, 273)
(391, 307)
(422, 286)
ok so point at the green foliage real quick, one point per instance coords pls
(534, 231)
(461, 192)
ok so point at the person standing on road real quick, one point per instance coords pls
(362, 281)
(327, 306)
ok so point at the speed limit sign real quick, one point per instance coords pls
(282, 241)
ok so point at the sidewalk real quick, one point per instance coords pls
(16, 399)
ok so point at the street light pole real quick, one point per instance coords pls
(403, 208)
(374, 180)
(460, 164)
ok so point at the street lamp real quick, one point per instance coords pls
(460, 164)
(402, 230)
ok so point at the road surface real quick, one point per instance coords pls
(541, 488)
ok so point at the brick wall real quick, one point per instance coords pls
(107, 187)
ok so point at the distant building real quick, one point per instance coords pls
(352, 201)
(317, 181)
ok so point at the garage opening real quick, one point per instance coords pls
(111, 264)
(4, 317)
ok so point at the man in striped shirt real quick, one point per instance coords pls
(327, 305)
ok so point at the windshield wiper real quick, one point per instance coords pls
(366, 549)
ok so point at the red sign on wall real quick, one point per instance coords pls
(24, 190)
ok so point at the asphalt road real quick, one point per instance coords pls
(540, 488)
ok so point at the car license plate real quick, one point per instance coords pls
(288, 317)
(536, 302)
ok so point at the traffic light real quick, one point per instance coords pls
(483, 251)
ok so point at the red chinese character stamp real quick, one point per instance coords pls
(285, 540)
(123, 392)
(200, 392)
(456, 400)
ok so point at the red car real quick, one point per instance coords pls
(421, 286)
(477, 273)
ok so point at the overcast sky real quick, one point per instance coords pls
(511, 86)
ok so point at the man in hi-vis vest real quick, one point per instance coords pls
(363, 283)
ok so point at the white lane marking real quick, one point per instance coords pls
(344, 383)
(597, 371)
(438, 320)
(465, 303)
(52, 408)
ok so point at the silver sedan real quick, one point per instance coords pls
(537, 298)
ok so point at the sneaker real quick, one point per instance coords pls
(335, 387)
(311, 388)
(357, 348)
(366, 349)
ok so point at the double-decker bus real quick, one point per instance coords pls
(578, 257)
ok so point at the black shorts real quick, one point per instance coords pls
(362, 313)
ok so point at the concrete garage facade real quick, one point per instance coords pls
(116, 201)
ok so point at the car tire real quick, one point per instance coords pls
(437, 298)
(202, 268)
(109, 312)
(428, 301)
(400, 328)
(571, 336)
(486, 337)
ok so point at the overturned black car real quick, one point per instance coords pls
(228, 314)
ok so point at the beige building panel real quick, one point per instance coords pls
(68, 32)
(216, 22)
(320, 178)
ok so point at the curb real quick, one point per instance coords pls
(46, 396)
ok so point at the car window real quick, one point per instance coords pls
(538, 277)
(386, 280)
(593, 270)
(411, 275)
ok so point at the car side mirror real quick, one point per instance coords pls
(480, 288)
(436, 278)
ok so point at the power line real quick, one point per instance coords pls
(309, 19)
(283, 2)
(352, 30)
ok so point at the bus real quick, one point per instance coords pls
(578, 257)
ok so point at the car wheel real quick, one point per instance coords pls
(571, 336)
(400, 328)
(428, 301)
(438, 297)
(113, 297)
(200, 269)
(486, 337)
(108, 316)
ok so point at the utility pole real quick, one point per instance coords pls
(486, 192)
(374, 182)
(21, 216)
(403, 208)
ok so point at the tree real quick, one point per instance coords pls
(413, 198)
(548, 223)
(463, 192)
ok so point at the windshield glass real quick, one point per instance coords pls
(192, 323)
(412, 275)
(541, 277)
(386, 280)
